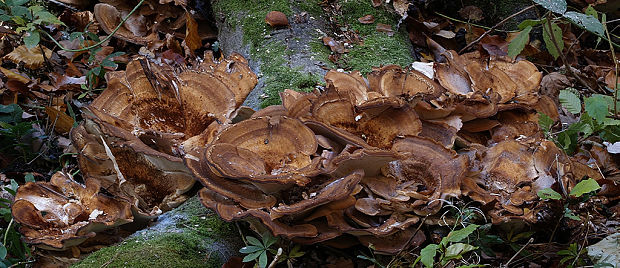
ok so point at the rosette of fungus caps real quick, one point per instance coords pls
(136, 131)
(62, 213)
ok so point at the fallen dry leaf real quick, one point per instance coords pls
(611, 79)
(11, 75)
(61, 121)
(376, 3)
(401, 7)
(192, 39)
(368, 19)
(31, 57)
(385, 28)
(334, 45)
(471, 13)
(276, 19)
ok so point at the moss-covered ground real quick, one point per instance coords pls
(378, 48)
(192, 239)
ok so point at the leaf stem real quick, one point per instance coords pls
(100, 42)
(6, 233)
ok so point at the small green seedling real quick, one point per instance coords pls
(257, 249)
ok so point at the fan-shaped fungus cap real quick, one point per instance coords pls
(64, 213)
(137, 129)
(271, 152)
(393, 81)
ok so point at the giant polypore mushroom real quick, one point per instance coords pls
(62, 213)
(136, 131)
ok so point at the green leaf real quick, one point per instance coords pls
(269, 239)
(597, 106)
(530, 23)
(456, 250)
(29, 177)
(557, 35)
(19, 11)
(516, 45)
(18, 2)
(250, 249)
(548, 193)
(557, 6)
(584, 187)
(262, 260)
(545, 122)
(568, 213)
(591, 11)
(2, 251)
(252, 256)
(570, 101)
(32, 39)
(587, 22)
(44, 16)
(254, 241)
(458, 235)
(428, 253)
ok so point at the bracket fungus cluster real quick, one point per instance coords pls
(366, 160)
(131, 144)
(369, 158)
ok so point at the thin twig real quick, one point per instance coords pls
(45, 59)
(613, 55)
(585, 239)
(470, 23)
(241, 234)
(495, 26)
(102, 41)
(516, 254)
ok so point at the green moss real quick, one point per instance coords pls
(191, 240)
(378, 49)
(354, 9)
(271, 54)
(167, 250)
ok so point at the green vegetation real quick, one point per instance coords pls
(191, 241)
(595, 118)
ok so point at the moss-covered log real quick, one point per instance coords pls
(295, 57)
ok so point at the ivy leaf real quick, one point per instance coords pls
(557, 35)
(19, 11)
(32, 39)
(427, 255)
(584, 187)
(29, 177)
(458, 235)
(516, 45)
(548, 193)
(557, 6)
(570, 101)
(587, 22)
(597, 106)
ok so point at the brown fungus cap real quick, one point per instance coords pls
(271, 152)
(62, 213)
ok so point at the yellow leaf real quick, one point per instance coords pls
(61, 121)
(192, 39)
